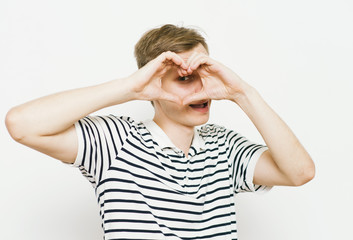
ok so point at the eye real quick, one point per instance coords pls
(184, 78)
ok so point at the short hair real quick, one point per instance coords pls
(166, 38)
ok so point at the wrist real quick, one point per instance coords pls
(246, 97)
(121, 90)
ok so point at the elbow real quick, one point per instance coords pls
(13, 125)
(305, 175)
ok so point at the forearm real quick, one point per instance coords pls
(55, 113)
(286, 150)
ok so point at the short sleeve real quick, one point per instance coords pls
(99, 140)
(243, 156)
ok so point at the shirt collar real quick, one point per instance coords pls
(163, 140)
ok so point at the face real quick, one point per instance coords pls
(191, 115)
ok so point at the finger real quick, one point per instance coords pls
(191, 57)
(182, 72)
(194, 57)
(199, 61)
(190, 60)
(185, 72)
(170, 97)
(189, 71)
(195, 98)
(175, 58)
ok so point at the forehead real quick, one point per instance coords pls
(198, 49)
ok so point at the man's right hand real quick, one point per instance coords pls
(147, 81)
(46, 124)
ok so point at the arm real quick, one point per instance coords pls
(47, 124)
(286, 162)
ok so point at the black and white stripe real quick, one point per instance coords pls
(148, 192)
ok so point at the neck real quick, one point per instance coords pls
(180, 135)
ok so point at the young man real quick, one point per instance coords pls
(163, 179)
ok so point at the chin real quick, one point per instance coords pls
(197, 121)
(202, 121)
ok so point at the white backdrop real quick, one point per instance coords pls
(298, 54)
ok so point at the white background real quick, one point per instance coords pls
(298, 54)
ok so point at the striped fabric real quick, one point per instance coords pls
(147, 189)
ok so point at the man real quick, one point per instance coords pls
(164, 179)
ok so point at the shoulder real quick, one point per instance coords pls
(109, 119)
(108, 123)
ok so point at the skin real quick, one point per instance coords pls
(178, 120)
(48, 127)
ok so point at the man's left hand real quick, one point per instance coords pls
(218, 81)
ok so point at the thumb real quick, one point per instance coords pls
(195, 98)
(170, 97)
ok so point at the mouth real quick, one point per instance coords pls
(200, 106)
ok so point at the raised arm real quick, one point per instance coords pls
(286, 162)
(47, 124)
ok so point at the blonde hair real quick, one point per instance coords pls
(166, 38)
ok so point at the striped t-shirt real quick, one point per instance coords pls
(148, 189)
